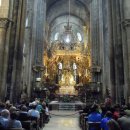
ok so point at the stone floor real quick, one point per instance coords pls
(63, 120)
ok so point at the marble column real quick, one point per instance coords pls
(4, 22)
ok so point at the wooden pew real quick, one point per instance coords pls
(27, 125)
(82, 120)
(95, 125)
(15, 129)
(35, 122)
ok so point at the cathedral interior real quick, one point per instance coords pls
(54, 48)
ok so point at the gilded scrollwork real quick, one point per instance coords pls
(68, 56)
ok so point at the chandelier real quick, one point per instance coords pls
(68, 37)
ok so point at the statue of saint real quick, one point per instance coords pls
(59, 71)
(60, 66)
(74, 69)
(74, 66)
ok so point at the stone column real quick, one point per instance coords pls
(4, 22)
(33, 41)
(107, 51)
(116, 57)
(27, 49)
(16, 13)
(95, 43)
(39, 33)
(125, 6)
(18, 52)
(104, 45)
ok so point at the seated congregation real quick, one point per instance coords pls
(26, 116)
(104, 117)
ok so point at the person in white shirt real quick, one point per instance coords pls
(5, 114)
(33, 112)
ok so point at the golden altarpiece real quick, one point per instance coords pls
(67, 61)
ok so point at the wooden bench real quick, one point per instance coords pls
(14, 129)
(35, 122)
(82, 120)
(27, 125)
(95, 125)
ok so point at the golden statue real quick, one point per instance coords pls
(67, 79)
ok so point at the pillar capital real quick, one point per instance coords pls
(4, 22)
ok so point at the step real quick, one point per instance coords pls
(66, 106)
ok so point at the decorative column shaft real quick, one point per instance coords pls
(28, 49)
(95, 43)
(33, 42)
(4, 22)
(125, 14)
(39, 33)
(94, 26)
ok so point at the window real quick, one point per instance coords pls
(26, 24)
(0, 2)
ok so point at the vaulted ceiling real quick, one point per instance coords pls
(58, 14)
(51, 2)
(57, 8)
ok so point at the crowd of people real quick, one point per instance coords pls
(108, 117)
(12, 116)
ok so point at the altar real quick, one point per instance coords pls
(67, 64)
(67, 90)
(67, 81)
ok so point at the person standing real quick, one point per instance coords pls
(113, 125)
(94, 117)
(105, 120)
(124, 121)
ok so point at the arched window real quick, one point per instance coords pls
(26, 24)
(79, 36)
(56, 37)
